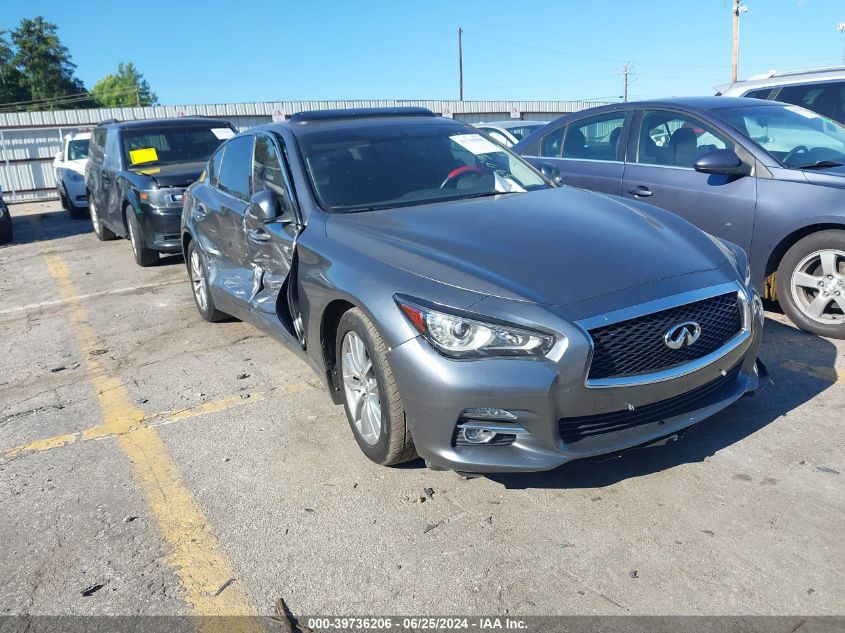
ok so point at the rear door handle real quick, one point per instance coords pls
(641, 191)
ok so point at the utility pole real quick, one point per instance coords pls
(627, 71)
(137, 96)
(736, 11)
(460, 66)
(841, 28)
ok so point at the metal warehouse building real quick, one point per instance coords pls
(30, 140)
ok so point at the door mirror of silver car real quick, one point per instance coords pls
(722, 161)
(551, 172)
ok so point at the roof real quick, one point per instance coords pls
(322, 120)
(509, 123)
(177, 122)
(776, 78)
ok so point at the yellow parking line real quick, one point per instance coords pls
(828, 374)
(102, 431)
(195, 553)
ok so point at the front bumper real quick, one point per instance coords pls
(546, 395)
(161, 228)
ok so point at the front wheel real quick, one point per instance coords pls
(811, 283)
(144, 256)
(370, 394)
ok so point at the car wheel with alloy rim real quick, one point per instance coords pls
(811, 283)
(200, 286)
(370, 394)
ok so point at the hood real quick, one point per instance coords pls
(179, 175)
(553, 247)
(832, 176)
(75, 165)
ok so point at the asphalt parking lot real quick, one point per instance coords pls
(153, 463)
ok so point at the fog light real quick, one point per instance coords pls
(478, 436)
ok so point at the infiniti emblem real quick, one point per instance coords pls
(682, 335)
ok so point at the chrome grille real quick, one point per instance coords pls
(635, 346)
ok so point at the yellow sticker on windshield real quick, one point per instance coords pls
(145, 155)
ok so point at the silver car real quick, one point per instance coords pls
(510, 132)
(459, 305)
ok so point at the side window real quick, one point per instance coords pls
(762, 93)
(497, 136)
(594, 138)
(236, 171)
(824, 98)
(214, 165)
(112, 158)
(267, 168)
(552, 143)
(676, 140)
(97, 143)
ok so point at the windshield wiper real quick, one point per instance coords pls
(821, 164)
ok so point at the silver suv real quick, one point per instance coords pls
(821, 90)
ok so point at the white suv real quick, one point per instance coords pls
(70, 173)
(821, 90)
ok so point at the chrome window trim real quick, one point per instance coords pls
(658, 305)
(589, 160)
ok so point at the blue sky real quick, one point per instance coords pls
(213, 51)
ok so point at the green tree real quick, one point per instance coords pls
(125, 88)
(12, 88)
(46, 66)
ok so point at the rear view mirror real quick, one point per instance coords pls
(551, 172)
(722, 161)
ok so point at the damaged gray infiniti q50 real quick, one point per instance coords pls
(457, 304)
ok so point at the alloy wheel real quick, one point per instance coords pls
(818, 286)
(198, 281)
(361, 388)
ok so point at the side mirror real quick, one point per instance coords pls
(266, 206)
(551, 172)
(263, 207)
(60, 157)
(722, 161)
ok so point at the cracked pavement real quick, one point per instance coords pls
(743, 516)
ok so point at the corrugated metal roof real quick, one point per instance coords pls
(58, 118)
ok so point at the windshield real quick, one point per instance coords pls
(78, 149)
(522, 131)
(794, 136)
(383, 166)
(171, 145)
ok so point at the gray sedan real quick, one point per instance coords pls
(767, 176)
(457, 304)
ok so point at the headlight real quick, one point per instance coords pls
(74, 176)
(462, 337)
(169, 197)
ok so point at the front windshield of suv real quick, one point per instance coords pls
(384, 166)
(148, 147)
(796, 137)
(77, 149)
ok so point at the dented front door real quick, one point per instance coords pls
(272, 245)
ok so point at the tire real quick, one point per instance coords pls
(144, 256)
(7, 231)
(198, 273)
(392, 443)
(103, 233)
(815, 265)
